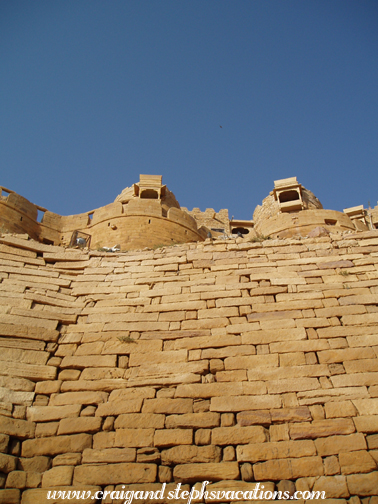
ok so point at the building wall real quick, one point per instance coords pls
(227, 361)
(137, 223)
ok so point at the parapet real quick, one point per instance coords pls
(144, 215)
(147, 214)
(292, 210)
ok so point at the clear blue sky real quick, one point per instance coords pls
(92, 93)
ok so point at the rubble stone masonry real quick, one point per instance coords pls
(228, 361)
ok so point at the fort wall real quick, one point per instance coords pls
(226, 361)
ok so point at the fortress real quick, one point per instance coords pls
(243, 353)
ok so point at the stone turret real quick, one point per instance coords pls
(291, 209)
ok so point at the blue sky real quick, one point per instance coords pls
(92, 93)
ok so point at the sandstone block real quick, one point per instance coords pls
(191, 473)
(56, 444)
(171, 437)
(368, 423)
(278, 450)
(51, 413)
(46, 429)
(363, 484)
(238, 435)
(67, 459)
(291, 468)
(57, 476)
(333, 445)
(108, 455)
(193, 420)
(134, 438)
(207, 390)
(37, 464)
(242, 403)
(16, 479)
(4, 440)
(251, 361)
(321, 428)
(334, 487)
(158, 357)
(115, 408)
(78, 425)
(78, 398)
(140, 420)
(339, 409)
(285, 415)
(10, 496)
(103, 440)
(82, 361)
(366, 406)
(132, 393)
(246, 418)
(292, 385)
(356, 462)
(344, 354)
(7, 463)
(113, 474)
(22, 429)
(168, 406)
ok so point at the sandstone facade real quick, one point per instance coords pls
(228, 361)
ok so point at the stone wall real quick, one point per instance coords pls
(131, 224)
(233, 362)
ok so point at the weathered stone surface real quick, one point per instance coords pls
(113, 474)
(191, 473)
(57, 477)
(170, 437)
(246, 418)
(22, 429)
(4, 440)
(207, 390)
(140, 420)
(115, 408)
(10, 496)
(79, 398)
(332, 445)
(242, 403)
(70, 459)
(363, 484)
(193, 420)
(191, 454)
(334, 487)
(56, 444)
(16, 479)
(368, 423)
(266, 451)
(51, 413)
(108, 456)
(134, 438)
(356, 462)
(321, 428)
(37, 464)
(7, 463)
(168, 406)
(77, 425)
(238, 435)
(284, 415)
(290, 468)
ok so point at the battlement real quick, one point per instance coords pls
(147, 214)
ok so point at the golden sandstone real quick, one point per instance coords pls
(237, 360)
